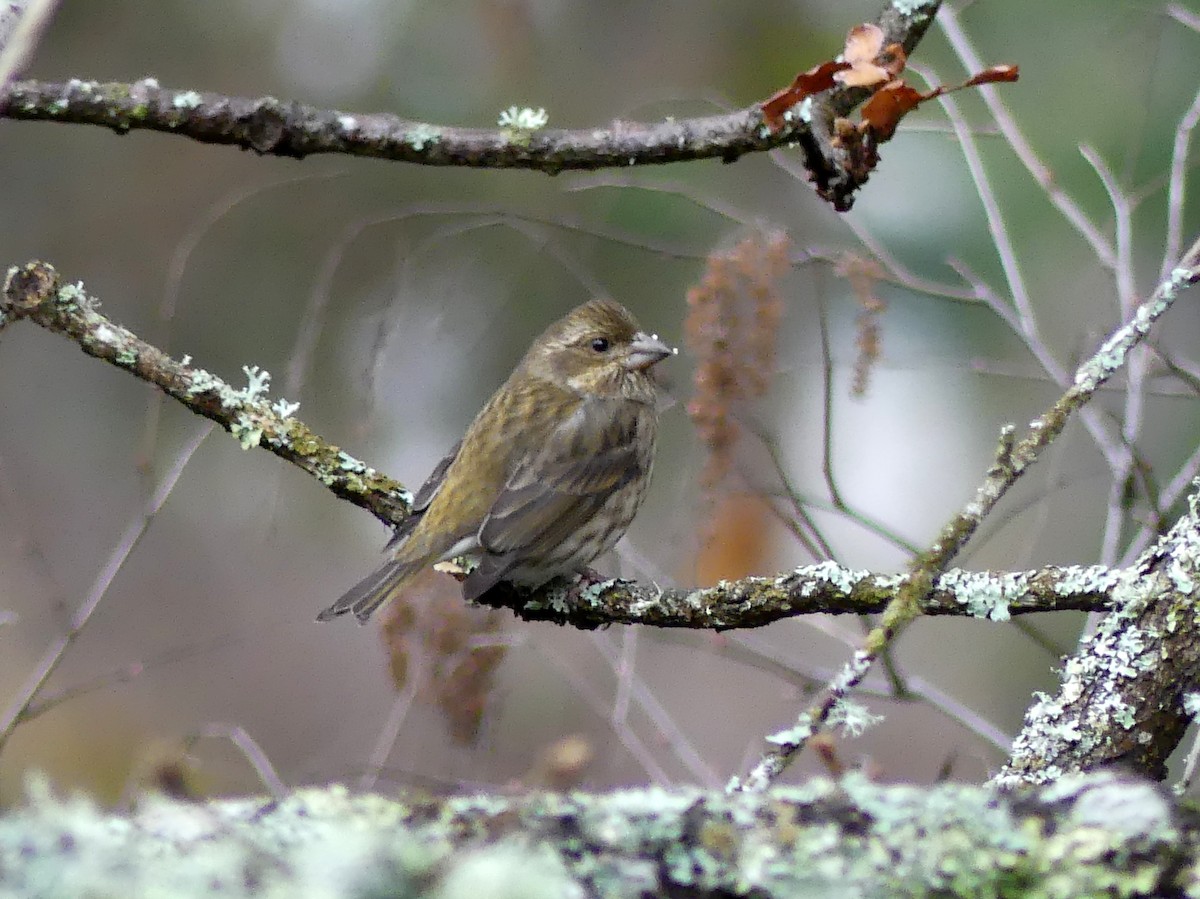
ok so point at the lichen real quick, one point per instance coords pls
(422, 136)
(523, 119)
(186, 100)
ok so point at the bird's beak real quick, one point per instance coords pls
(647, 350)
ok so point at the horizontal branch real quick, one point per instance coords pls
(826, 588)
(1104, 835)
(282, 128)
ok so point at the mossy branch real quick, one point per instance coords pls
(35, 292)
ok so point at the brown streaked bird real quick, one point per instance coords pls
(550, 473)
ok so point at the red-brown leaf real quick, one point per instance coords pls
(994, 75)
(883, 112)
(815, 80)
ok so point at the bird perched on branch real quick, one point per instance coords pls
(550, 473)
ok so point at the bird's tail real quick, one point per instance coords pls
(380, 586)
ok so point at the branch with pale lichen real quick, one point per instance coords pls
(1125, 692)
(1102, 835)
(35, 292)
(1012, 460)
(270, 126)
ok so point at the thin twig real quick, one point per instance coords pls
(23, 40)
(949, 22)
(1135, 370)
(254, 754)
(57, 651)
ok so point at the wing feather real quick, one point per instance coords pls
(424, 497)
(555, 492)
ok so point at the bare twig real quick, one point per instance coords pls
(57, 651)
(17, 48)
(949, 22)
(248, 747)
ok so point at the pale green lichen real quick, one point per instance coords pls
(73, 296)
(852, 718)
(284, 409)
(1111, 355)
(914, 9)
(508, 870)
(983, 593)
(1077, 579)
(794, 735)
(186, 100)
(557, 598)
(422, 136)
(844, 580)
(592, 592)
(346, 462)
(525, 118)
(248, 434)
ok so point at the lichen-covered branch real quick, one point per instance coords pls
(826, 588)
(1013, 458)
(1124, 694)
(1103, 835)
(35, 292)
(268, 125)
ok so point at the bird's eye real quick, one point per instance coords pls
(600, 344)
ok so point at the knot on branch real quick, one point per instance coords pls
(267, 127)
(28, 286)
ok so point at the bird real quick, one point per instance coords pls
(550, 473)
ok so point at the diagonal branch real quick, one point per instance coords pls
(35, 292)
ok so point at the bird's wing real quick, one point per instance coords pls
(425, 496)
(553, 492)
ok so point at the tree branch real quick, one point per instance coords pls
(1103, 835)
(270, 126)
(35, 292)
(1124, 693)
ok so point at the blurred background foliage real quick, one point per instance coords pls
(390, 300)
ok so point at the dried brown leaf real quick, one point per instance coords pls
(815, 80)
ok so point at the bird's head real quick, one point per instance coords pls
(597, 349)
